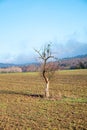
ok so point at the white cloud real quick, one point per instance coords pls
(71, 48)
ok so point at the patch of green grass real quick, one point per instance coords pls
(76, 100)
(2, 105)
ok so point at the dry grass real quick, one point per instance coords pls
(23, 106)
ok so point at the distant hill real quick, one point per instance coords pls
(77, 62)
(75, 57)
(5, 65)
(81, 56)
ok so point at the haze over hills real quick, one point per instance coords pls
(76, 62)
(70, 48)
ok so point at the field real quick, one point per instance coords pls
(23, 106)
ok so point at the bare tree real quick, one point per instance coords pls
(48, 67)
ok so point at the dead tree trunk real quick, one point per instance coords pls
(47, 89)
(46, 80)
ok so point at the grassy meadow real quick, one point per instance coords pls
(23, 106)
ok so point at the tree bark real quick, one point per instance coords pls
(47, 89)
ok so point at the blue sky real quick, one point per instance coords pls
(28, 24)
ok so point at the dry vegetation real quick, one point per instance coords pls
(23, 106)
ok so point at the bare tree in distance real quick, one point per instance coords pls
(47, 66)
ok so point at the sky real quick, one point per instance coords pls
(29, 24)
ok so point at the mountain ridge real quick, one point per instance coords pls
(65, 63)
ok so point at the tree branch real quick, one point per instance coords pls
(49, 57)
(39, 54)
